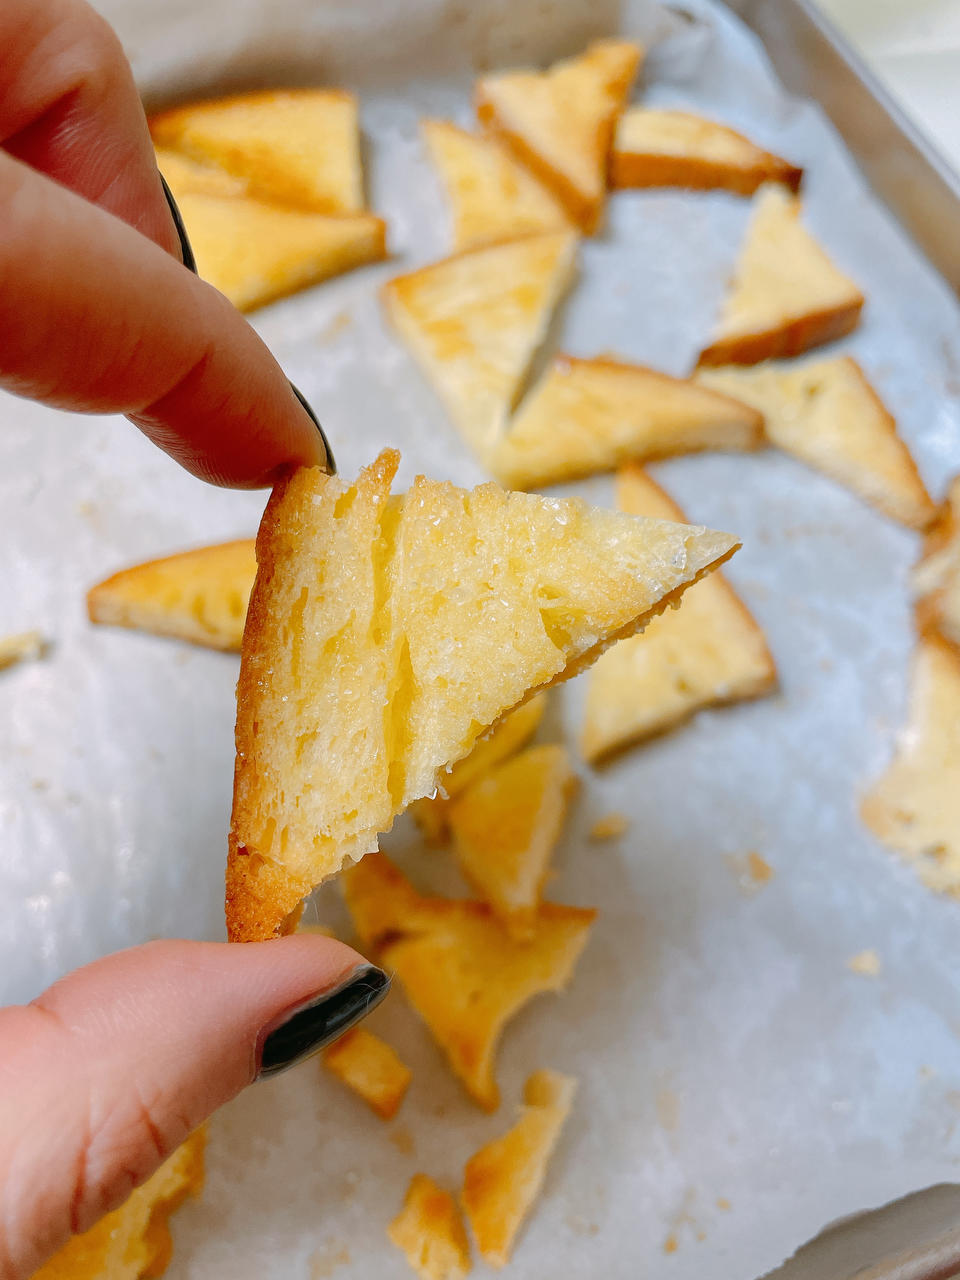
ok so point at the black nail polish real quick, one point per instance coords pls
(316, 1023)
(331, 465)
(186, 252)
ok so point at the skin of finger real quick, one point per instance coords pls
(106, 1073)
(94, 317)
(69, 107)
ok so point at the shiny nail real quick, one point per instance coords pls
(331, 465)
(186, 252)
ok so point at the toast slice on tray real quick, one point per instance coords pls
(936, 578)
(492, 196)
(386, 634)
(826, 413)
(586, 416)
(654, 148)
(787, 296)
(475, 321)
(185, 176)
(430, 1233)
(560, 122)
(708, 652)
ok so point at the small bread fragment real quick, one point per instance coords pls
(475, 321)
(708, 652)
(787, 296)
(430, 1231)
(371, 1068)
(826, 413)
(298, 147)
(459, 968)
(593, 415)
(503, 1179)
(134, 1241)
(655, 148)
(24, 646)
(188, 177)
(560, 122)
(386, 634)
(915, 806)
(492, 196)
(200, 595)
(936, 578)
(505, 827)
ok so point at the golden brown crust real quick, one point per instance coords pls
(161, 123)
(931, 616)
(636, 169)
(790, 339)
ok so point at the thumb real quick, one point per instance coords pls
(106, 1073)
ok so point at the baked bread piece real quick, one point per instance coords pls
(371, 1068)
(200, 595)
(936, 579)
(654, 148)
(505, 828)
(827, 414)
(459, 968)
(475, 321)
(185, 176)
(385, 635)
(503, 1179)
(298, 147)
(560, 122)
(787, 296)
(429, 1230)
(492, 196)
(915, 806)
(709, 651)
(134, 1240)
(20, 647)
(593, 415)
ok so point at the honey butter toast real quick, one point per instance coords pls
(430, 1232)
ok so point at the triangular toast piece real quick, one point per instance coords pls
(475, 321)
(255, 252)
(560, 122)
(492, 196)
(787, 296)
(654, 148)
(710, 651)
(298, 147)
(593, 415)
(505, 827)
(915, 806)
(504, 1178)
(385, 635)
(371, 1068)
(200, 595)
(430, 1232)
(936, 579)
(827, 414)
(22, 646)
(459, 968)
(185, 176)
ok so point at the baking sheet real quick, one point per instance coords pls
(739, 1086)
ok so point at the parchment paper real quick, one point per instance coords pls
(739, 1085)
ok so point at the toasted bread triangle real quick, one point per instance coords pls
(827, 414)
(561, 121)
(655, 148)
(189, 177)
(200, 595)
(936, 579)
(385, 635)
(475, 321)
(298, 147)
(709, 651)
(593, 415)
(787, 296)
(492, 196)
(915, 806)
(430, 1232)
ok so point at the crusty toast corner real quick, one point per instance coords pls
(815, 329)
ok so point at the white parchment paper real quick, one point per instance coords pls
(739, 1085)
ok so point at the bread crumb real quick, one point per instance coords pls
(610, 827)
(866, 963)
(752, 870)
(723, 1204)
(670, 1244)
(340, 322)
(25, 646)
(327, 1259)
(402, 1139)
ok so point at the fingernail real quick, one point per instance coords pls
(331, 465)
(186, 252)
(310, 1026)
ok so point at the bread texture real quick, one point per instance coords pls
(708, 652)
(936, 578)
(826, 413)
(504, 1178)
(297, 147)
(586, 416)
(386, 634)
(430, 1232)
(787, 296)
(371, 1068)
(560, 122)
(656, 148)
(200, 595)
(475, 321)
(492, 196)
